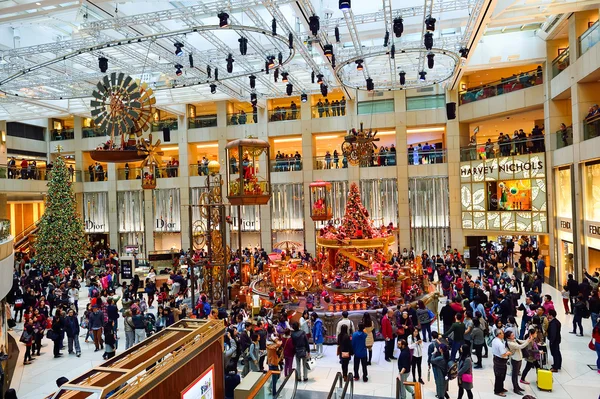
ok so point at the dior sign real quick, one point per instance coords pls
(91, 226)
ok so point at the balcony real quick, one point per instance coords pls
(93, 175)
(241, 118)
(283, 114)
(379, 160)
(503, 86)
(129, 173)
(286, 165)
(33, 173)
(328, 162)
(560, 63)
(490, 150)
(62, 134)
(171, 123)
(327, 110)
(89, 132)
(589, 38)
(563, 137)
(426, 157)
(591, 127)
(202, 121)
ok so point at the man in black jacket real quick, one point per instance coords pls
(573, 288)
(447, 315)
(245, 342)
(302, 348)
(554, 340)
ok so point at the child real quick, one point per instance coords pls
(565, 298)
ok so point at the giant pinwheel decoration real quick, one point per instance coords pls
(152, 152)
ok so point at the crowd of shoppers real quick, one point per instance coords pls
(519, 144)
(326, 109)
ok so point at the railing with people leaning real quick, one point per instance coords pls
(89, 132)
(591, 127)
(377, 159)
(421, 157)
(240, 118)
(589, 38)
(563, 138)
(329, 162)
(505, 85)
(286, 164)
(129, 173)
(326, 111)
(561, 62)
(33, 173)
(202, 121)
(158, 126)
(497, 149)
(62, 134)
(95, 175)
(283, 114)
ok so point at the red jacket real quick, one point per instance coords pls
(386, 328)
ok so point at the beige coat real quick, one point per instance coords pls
(370, 340)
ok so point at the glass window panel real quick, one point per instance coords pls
(375, 107)
(130, 211)
(287, 206)
(425, 102)
(95, 212)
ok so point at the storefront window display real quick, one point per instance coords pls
(167, 219)
(287, 207)
(429, 213)
(564, 224)
(130, 214)
(380, 197)
(592, 214)
(95, 212)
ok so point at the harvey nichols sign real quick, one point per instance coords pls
(508, 167)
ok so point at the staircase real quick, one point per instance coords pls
(23, 241)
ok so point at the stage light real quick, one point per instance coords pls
(430, 61)
(422, 77)
(333, 61)
(402, 78)
(178, 48)
(336, 31)
(291, 40)
(312, 77)
(393, 51)
(216, 73)
(324, 90)
(178, 71)
(328, 50)
(267, 67)
(320, 79)
(103, 64)
(428, 40)
(289, 89)
(386, 39)
(430, 23)
(230, 61)
(303, 97)
(208, 71)
(464, 53)
(276, 74)
(274, 27)
(344, 4)
(223, 16)
(284, 77)
(191, 59)
(359, 65)
(280, 58)
(398, 26)
(243, 45)
(270, 61)
(253, 98)
(213, 88)
(313, 23)
(370, 85)
(252, 81)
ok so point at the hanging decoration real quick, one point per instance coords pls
(358, 146)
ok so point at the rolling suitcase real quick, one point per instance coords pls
(544, 376)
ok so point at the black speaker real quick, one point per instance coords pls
(166, 134)
(451, 111)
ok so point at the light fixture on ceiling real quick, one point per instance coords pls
(345, 4)
(333, 61)
(359, 65)
(428, 40)
(398, 26)
(426, 129)
(393, 51)
(312, 77)
(213, 145)
(327, 137)
(324, 89)
(328, 50)
(213, 88)
(289, 89)
(430, 61)
(370, 85)
(274, 27)
(386, 39)
(303, 97)
(464, 53)
(291, 140)
(280, 58)
(270, 61)
(230, 61)
(178, 48)
(243, 45)
(208, 71)
(430, 23)
(178, 70)
(223, 17)
(284, 77)
(191, 59)
(276, 74)
(336, 32)
(253, 98)
(402, 78)
(216, 73)
(320, 79)
(103, 64)
(252, 81)
(313, 23)
(291, 40)
(422, 75)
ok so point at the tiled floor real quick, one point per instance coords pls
(575, 381)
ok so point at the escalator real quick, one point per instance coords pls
(23, 241)
(285, 386)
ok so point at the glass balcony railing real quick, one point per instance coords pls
(63, 134)
(284, 114)
(563, 138)
(241, 118)
(88, 132)
(95, 175)
(286, 165)
(32, 173)
(591, 127)
(329, 162)
(199, 169)
(327, 110)
(202, 121)
(490, 150)
(502, 86)
(379, 160)
(417, 157)
(560, 63)
(171, 123)
(589, 38)
(129, 173)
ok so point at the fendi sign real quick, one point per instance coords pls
(592, 229)
(565, 225)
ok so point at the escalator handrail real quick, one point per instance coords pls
(338, 378)
(294, 373)
(416, 386)
(349, 382)
(261, 383)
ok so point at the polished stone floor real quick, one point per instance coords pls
(576, 380)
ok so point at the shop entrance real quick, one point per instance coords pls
(98, 242)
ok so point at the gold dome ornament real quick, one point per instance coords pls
(214, 167)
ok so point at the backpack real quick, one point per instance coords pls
(452, 370)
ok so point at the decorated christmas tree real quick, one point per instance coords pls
(356, 222)
(60, 238)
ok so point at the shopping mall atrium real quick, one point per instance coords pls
(219, 125)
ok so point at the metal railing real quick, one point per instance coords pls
(286, 165)
(201, 121)
(589, 38)
(95, 175)
(346, 387)
(502, 86)
(418, 394)
(388, 159)
(591, 127)
(129, 173)
(286, 391)
(32, 173)
(495, 149)
(324, 162)
(239, 118)
(563, 138)
(89, 132)
(283, 114)
(417, 157)
(171, 123)
(4, 229)
(63, 134)
(327, 110)
(560, 63)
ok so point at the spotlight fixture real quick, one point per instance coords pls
(402, 78)
(428, 39)
(270, 61)
(230, 61)
(267, 66)
(243, 45)
(178, 48)
(386, 39)
(213, 88)
(398, 26)
(289, 89)
(313, 23)
(253, 98)
(223, 17)
(430, 23)
(208, 71)
(344, 4)
(430, 61)
(178, 71)
(276, 74)
(422, 77)
(328, 50)
(319, 79)
(191, 58)
(284, 77)
(324, 90)
(312, 77)
(464, 53)
(280, 58)
(303, 97)
(393, 51)
(291, 40)
(274, 27)
(337, 34)
(370, 85)
(103, 64)
(333, 61)
(359, 65)
(216, 73)
(252, 81)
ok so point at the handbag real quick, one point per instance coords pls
(18, 303)
(591, 345)
(11, 323)
(400, 331)
(311, 363)
(51, 335)
(467, 378)
(345, 355)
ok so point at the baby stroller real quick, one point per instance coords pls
(150, 324)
